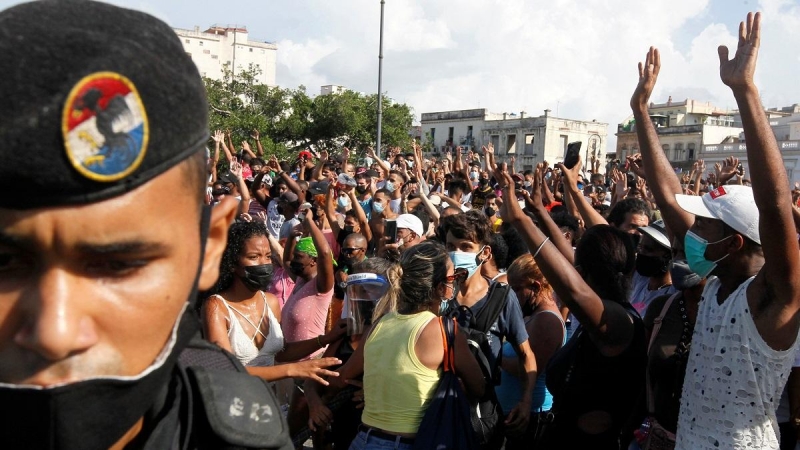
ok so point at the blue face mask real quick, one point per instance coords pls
(389, 186)
(343, 202)
(695, 248)
(466, 260)
(377, 208)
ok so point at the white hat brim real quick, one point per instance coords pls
(694, 204)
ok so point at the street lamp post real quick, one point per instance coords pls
(380, 79)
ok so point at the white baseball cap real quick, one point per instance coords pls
(411, 222)
(658, 231)
(732, 204)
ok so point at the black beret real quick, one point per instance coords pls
(96, 101)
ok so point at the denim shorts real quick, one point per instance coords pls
(363, 441)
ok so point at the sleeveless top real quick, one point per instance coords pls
(243, 345)
(733, 379)
(305, 313)
(509, 390)
(397, 386)
(582, 380)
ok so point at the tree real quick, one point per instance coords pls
(290, 120)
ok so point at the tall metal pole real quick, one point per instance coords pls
(380, 79)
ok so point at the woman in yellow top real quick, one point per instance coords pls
(401, 358)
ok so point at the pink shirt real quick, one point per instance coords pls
(281, 286)
(304, 315)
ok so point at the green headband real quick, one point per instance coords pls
(306, 245)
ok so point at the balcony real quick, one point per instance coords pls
(726, 149)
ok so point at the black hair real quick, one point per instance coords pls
(514, 242)
(627, 206)
(471, 225)
(423, 217)
(607, 257)
(238, 234)
(499, 250)
(457, 185)
(566, 220)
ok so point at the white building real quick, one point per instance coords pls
(683, 129)
(331, 89)
(530, 140)
(218, 46)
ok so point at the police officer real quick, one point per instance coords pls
(105, 241)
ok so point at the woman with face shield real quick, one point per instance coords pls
(244, 319)
(365, 290)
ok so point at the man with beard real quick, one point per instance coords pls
(481, 192)
(98, 293)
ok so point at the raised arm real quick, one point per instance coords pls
(546, 223)
(664, 183)
(608, 324)
(385, 167)
(317, 173)
(363, 222)
(324, 254)
(257, 137)
(588, 213)
(247, 149)
(330, 209)
(770, 182)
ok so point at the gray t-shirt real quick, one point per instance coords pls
(286, 228)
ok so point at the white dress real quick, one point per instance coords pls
(243, 345)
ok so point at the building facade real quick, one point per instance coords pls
(219, 47)
(530, 140)
(683, 129)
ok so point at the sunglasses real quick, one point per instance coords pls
(351, 250)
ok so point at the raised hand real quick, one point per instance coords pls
(346, 154)
(236, 168)
(738, 72)
(218, 136)
(648, 74)
(635, 164)
(371, 153)
(727, 169)
(246, 145)
(323, 155)
(255, 135)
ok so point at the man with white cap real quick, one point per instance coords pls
(745, 337)
(410, 232)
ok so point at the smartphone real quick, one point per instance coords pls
(573, 153)
(390, 229)
(739, 169)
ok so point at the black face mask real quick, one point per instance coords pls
(361, 190)
(489, 211)
(348, 229)
(484, 182)
(257, 278)
(682, 275)
(651, 266)
(297, 268)
(95, 413)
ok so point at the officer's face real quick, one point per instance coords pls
(96, 290)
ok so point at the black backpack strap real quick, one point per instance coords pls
(202, 353)
(495, 303)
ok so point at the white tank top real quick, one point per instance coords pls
(244, 347)
(733, 378)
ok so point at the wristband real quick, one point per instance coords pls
(319, 342)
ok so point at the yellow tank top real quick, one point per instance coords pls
(397, 386)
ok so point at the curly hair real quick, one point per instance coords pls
(238, 234)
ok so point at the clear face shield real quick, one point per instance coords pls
(361, 295)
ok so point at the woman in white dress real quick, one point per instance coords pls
(243, 318)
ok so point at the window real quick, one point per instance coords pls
(206, 52)
(691, 151)
(187, 41)
(679, 152)
(200, 43)
(450, 136)
(433, 136)
(511, 144)
(214, 56)
(496, 141)
(529, 141)
(563, 139)
(665, 147)
(251, 50)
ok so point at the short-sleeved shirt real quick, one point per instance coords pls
(286, 228)
(509, 325)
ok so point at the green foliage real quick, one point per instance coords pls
(289, 120)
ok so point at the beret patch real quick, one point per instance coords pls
(105, 127)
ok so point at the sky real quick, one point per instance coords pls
(577, 58)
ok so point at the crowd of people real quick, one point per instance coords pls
(616, 307)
